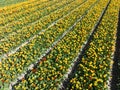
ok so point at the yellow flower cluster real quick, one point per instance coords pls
(21, 36)
(11, 3)
(60, 57)
(96, 63)
(25, 17)
(15, 8)
(19, 61)
(93, 70)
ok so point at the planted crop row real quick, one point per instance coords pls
(25, 23)
(29, 19)
(23, 35)
(16, 8)
(15, 18)
(15, 12)
(93, 71)
(40, 11)
(52, 68)
(9, 2)
(18, 62)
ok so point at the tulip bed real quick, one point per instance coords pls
(33, 50)
(31, 30)
(17, 8)
(93, 71)
(4, 3)
(25, 13)
(60, 27)
(52, 68)
(15, 22)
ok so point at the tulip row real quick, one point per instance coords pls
(21, 28)
(93, 71)
(52, 68)
(21, 36)
(27, 18)
(17, 17)
(7, 16)
(18, 62)
(17, 8)
(26, 21)
(4, 3)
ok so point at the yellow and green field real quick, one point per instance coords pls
(59, 44)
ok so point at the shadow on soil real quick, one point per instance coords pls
(116, 68)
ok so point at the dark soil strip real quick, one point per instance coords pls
(116, 68)
(66, 82)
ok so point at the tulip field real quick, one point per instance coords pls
(9, 2)
(57, 44)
